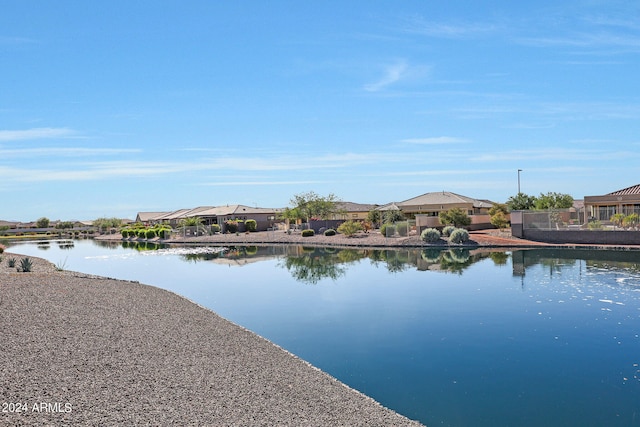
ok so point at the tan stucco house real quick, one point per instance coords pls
(625, 201)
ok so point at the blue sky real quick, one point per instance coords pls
(110, 108)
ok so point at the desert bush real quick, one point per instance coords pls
(231, 226)
(446, 231)
(11, 262)
(402, 228)
(307, 233)
(430, 235)
(330, 232)
(349, 228)
(251, 225)
(631, 221)
(595, 225)
(454, 216)
(459, 235)
(388, 230)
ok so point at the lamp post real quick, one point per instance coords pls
(519, 170)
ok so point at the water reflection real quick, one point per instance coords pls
(449, 337)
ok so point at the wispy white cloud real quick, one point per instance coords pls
(65, 151)
(557, 154)
(114, 169)
(435, 140)
(252, 183)
(420, 26)
(36, 133)
(392, 74)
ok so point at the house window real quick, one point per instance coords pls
(605, 212)
(631, 209)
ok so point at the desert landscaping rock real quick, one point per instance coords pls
(86, 350)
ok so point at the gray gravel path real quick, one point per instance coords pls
(83, 350)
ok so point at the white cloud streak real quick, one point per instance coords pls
(393, 73)
(435, 140)
(36, 133)
(65, 151)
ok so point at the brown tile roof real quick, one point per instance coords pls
(626, 191)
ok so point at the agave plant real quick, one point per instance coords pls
(25, 265)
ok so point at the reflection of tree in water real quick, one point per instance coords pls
(499, 258)
(431, 255)
(456, 260)
(312, 267)
(66, 244)
(44, 246)
(396, 261)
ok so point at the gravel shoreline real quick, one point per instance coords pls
(87, 350)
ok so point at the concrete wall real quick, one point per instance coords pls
(596, 237)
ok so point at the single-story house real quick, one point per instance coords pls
(426, 208)
(264, 217)
(148, 218)
(353, 211)
(625, 201)
(431, 204)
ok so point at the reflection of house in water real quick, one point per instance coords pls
(557, 258)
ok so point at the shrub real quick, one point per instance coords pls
(1, 249)
(164, 232)
(231, 226)
(215, 228)
(142, 234)
(595, 225)
(150, 233)
(330, 232)
(11, 262)
(349, 228)
(402, 228)
(454, 216)
(307, 233)
(459, 235)
(430, 235)
(447, 230)
(25, 265)
(251, 225)
(133, 233)
(388, 230)
(125, 233)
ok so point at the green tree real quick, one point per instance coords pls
(499, 220)
(498, 215)
(617, 219)
(103, 224)
(312, 205)
(521, 202)
(454, 216)
(392, 216)
(553, 200)
(62, 225)
(631, 221)
(42, 222)
(374, 217)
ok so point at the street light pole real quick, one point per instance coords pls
(519, 170)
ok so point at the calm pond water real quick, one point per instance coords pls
(520, 338)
